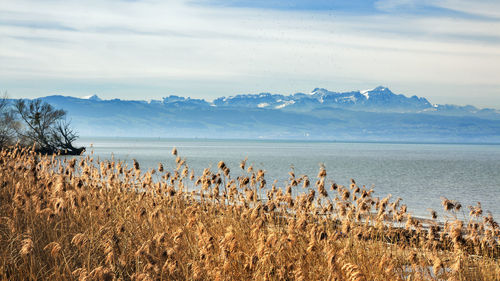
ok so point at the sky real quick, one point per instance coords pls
(445, 50)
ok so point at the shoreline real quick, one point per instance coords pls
(274, 140)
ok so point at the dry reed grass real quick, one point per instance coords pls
(82, 219)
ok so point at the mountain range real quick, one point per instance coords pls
(371, 115)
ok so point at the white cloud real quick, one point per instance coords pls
(201, 50)
(488, 8)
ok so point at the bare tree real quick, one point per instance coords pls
(45, 127)
(8, 124)
(63, 137)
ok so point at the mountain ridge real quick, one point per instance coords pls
(378, 99)
(371, 115)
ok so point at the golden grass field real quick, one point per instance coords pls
(83, 219)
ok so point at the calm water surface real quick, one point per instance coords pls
(419, 173)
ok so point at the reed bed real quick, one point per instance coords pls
(84, 219)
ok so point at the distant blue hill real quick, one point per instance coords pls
(373, 115)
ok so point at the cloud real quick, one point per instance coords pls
(392, 5)
(356, 6)
(479, 8)
(208, 50)
(486, 8)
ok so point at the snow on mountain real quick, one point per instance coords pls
(286, 103)
(377, 99)
(366, 93)
(178, 101)
(250, 100)
(376, 114)
(92, 98)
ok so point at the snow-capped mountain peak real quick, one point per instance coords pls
(366, 93)
(377, 99)
(376, 114)
(92, 98)
(381, 89)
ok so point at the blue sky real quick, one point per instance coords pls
(318, 5)
(446, 50)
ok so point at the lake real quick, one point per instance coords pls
(421, 174)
